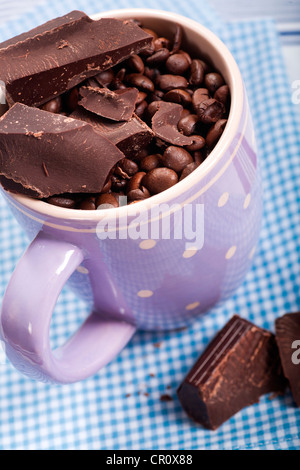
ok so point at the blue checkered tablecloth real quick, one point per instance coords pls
(96, 413)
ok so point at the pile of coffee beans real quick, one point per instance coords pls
(162, 72)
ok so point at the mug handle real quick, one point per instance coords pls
(26, 313)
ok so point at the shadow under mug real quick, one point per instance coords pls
(136, 280)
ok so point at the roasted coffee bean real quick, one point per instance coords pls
(188, 170)
(152, 108)
(185, 112)
(151, 32)
(142, 154)
(169, 82)
(117, 84)
(210, 111)
(88, 204)
(106, 77)
(179, 96)
(157, 95)
(53, 106)
(177, 39)
(161, 43)
(177, 64)
(126, 168)
(213, 81)
(199, 156)
(150, 162)
(215, 132)
(148, 51)
(62, 201)
(107, 186)
(158, 57)
(118, 183)
(222, 94)
(141, 97)
(135, 63)
(201, 94)
(188, 124)
(135, 181)
(198, 143)
(176, 158)
(140, 81)
(151, 73)
(138, 194)
(187, 56)
(71, 99)
(107, 201)
(197, 72)
(159, 180)
(141, 108)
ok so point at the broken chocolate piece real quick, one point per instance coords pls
(40, 67)
(288, 341)
(52, 154)
(116, 105)
(129, 136)
(239, 365)
(165, 121)
(17, 188)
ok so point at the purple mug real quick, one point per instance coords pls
(122, 260)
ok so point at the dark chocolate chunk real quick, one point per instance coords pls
(239, 365)
(288, 341)
(52, 154)
(17, 188)
(129, 136)
(116, 105)
(40, 67)
(165, 121)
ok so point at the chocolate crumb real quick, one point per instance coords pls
(157, 345)
(45, 169)
(166, 397)
(62, 44)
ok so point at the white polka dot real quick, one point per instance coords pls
(147, 244)
(251, 254)
(82, 270)
(247, 201)
(190, 252)
(230, 252)
(145, 293)
(192, 306)
(223, 199)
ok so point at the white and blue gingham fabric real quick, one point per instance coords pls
(98, 413)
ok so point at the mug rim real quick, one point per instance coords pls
(236, 108)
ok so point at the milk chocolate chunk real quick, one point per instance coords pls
(288, 341)
(165, 121)
(40, 67)
(52, 154)
(239, 365)
(129, 136)
(116, 105)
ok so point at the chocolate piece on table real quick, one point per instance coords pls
(53, 154)
(116, 105)
(40, 67)
(239, 365)
(129, 136)
(165, 121)
(288, 341)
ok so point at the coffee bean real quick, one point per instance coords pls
(151, 32)
(177, 38)
(118, 183)
(187, 56)
(88, 204)
(222, 94)
(188, 170)
(53, 106)
(161, 43)
(107, 201)
(107, 186)
(198, 143)
(71, 99)
(117, 84)
(188, 124)
(177, 64)
(158, 57)
(62, 201)
(210, 111)
(150, 162)
(199, 156)
(136, 64)
(152, 108)
(126, 168)
(169, 82)
(138, 194)
(106, 77)
(185, 112)
(179, 96)
(148, 51)
(176, 158)
(151, 73)
(213, 81)
(215, 132)
(159, 180)
(135, 181)
(197, 72)
(141, 97)
(201, 94)
(121, 74)
(140, 81)
(141, 108)
(157, 95)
